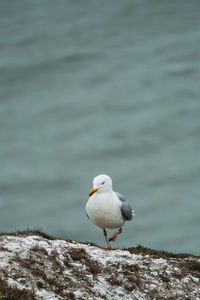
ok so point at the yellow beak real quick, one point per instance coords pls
(93, 190)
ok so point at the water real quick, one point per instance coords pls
(90, 87)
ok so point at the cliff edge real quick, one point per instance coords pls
(36, 266)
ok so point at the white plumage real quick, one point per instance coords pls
(106, 208)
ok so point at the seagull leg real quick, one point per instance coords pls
(114, 236)
(106, 237)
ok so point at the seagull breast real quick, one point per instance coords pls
(104, 210)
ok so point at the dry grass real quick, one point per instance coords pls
(29, 232)
(40, 249)
(82, 256)
(190, 266)
(2, 248)
(157, 253)
(12, 293)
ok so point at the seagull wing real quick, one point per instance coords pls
(126, 209)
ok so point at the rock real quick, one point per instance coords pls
(34, 266)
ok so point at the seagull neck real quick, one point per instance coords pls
(109, 192)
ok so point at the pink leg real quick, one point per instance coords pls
(114, 236)
(106, 237)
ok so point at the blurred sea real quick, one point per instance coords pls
(90, 87)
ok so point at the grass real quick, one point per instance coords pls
(191, 266)
(28, 232)
(13, 293)
(158, 253)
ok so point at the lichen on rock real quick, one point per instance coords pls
(38, 267)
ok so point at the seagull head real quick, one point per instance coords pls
(101, 184)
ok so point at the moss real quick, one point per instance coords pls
(81, 255)
(164, 278)
(2, 248)
(39, 249)
(40, 285)
(54, 254)
(58, 286)
(130, 268)
(94, 268)
(29, 232)
(77, 254)
(191, 266)
(29, 264)
(113, 280)
(158, 253)
(37, 232)
(70, 295)
(67, 263)
(12, 293)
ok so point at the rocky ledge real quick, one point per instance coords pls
(36, 266)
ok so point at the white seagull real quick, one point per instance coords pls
(106, 208)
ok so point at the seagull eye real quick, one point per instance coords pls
(103, 182)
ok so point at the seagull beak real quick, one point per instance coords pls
(93, 190)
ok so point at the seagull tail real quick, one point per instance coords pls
(133, 214)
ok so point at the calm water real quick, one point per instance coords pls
(89, 87)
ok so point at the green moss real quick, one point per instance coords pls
(158, 253)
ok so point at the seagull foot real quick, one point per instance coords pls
(113, 237)
(107, 249)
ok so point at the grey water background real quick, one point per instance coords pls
(91, 87)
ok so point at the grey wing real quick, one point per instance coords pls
(126, 209)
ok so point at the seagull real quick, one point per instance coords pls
(106, 208)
